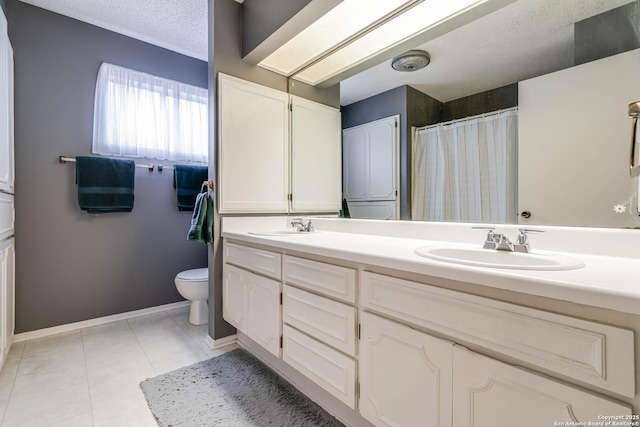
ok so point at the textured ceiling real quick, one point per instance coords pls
(178, 25)
(524, 39)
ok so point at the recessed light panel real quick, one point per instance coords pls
(347, 19)
(418, 19)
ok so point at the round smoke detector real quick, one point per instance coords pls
(411, 61)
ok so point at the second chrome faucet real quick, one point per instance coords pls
(501, 242)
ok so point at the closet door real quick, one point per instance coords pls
(382, 160)
(253, 147)
(355, 169)
(316, 158)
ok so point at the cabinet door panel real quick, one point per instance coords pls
(6, 149)
(264, 315)
(234, 296)
(316, 157)
(354, 164)
(253, 147)
(489, 393)
(8, 299)
(405, 375)
(382, 161)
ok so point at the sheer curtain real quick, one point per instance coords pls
(140, 115)
(467, 171)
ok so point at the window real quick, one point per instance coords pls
(140, 115)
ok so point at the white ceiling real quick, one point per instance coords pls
(524, 39)
(178, 25)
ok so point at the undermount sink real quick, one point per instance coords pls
(499, 259)
(281, 233)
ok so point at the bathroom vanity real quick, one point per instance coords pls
(375, 333)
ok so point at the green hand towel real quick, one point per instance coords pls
(198, 219)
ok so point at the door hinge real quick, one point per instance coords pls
(281, 341)
(359, 330)
(290, 197)
(396, 123)
(358, 390)
(290, 107)
(280, 298)
(396, 192)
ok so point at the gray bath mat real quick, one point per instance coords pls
(233, 389)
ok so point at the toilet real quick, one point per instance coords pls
(193, 285)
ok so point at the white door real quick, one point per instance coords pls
(234, 296)
(355, 164)
(253, 147)
(264, 315)
(405, 375)
(370, 164)
(382, 160)
(489, 393)
(316, 157)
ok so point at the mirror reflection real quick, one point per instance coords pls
(519, 117)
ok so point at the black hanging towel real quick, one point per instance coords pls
(105, 185)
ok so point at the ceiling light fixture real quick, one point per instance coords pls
(342, 23)
(421, 18)
(413, 60)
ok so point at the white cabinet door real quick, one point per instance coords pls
(405, 375)
(6, 144)
(264, 315)
(7, 300)
(316, 157)
(382, 160)
(253, 147)
(370, 166)
(355, 164)
(488, 393)
(234, 296)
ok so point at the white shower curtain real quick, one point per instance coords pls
(467, 171)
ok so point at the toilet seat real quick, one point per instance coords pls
(195, 275)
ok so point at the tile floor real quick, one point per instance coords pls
(90, 377)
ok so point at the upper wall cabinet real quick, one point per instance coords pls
(6, 110)
(315, 157)
(277, 153)
(253, 153)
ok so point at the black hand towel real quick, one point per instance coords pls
(187, 180)
(105, 185)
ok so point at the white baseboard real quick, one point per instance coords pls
(220, 342)
(40, 333)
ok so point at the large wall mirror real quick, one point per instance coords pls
(520, 117)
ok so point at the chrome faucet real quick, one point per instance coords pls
(500, 242)
(299, 225)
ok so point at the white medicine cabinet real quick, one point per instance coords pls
(277, 153)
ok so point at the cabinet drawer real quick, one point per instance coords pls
(258, 260)
(590, 352)
(331, 370)
(331, 280)
(329, 321)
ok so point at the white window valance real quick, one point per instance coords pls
(141, 115)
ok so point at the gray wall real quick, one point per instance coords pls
(72, 266)
(260, 18)
(225, 55)
(608, 34)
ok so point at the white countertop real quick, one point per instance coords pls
(605, 281)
